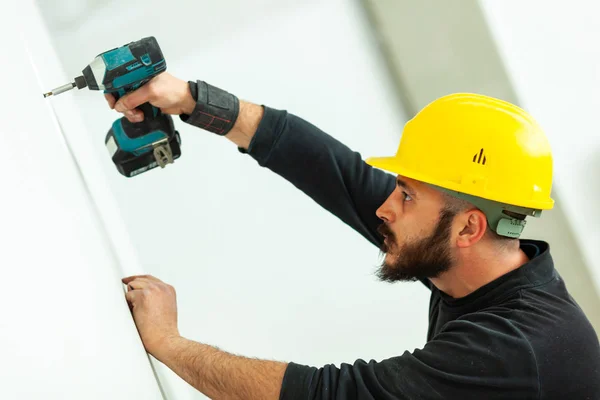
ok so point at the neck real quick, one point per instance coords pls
(478, 267)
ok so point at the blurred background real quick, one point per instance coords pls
(259, 268)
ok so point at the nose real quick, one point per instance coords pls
(386, 212)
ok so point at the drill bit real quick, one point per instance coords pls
(60, 89)
(79, 83)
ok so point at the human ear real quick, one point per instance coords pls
(473, 227)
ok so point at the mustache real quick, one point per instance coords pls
(386, 232)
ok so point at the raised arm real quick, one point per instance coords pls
(326, 170)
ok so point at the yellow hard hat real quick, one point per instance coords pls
(478, 146)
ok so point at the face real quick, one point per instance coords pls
(417, 231)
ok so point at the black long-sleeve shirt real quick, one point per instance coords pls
(521, 336)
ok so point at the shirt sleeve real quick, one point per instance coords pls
(323, 168)
(482, 358)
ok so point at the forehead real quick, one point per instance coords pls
(418, 187)
(410, 183)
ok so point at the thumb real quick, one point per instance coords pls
(133, 99)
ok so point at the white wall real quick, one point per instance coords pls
(259, 268)
(66, 331)
(551, 51)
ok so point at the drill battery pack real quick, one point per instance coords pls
(139, 147)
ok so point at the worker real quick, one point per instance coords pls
(468, 172)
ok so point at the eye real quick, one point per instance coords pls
(406, 196)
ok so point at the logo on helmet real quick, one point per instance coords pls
(479, 160)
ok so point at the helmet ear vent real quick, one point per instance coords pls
(479, 158)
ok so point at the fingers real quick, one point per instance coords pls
(140, 283)
(133, 99)
(133, 277)
(132, 297)
(110, 99)
(131, 115)
(134, 115)
(135, 290)
(139, 286)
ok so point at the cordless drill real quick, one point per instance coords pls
(134, 147)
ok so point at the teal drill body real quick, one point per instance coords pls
(133, 147)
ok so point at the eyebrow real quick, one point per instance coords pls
(405, 185)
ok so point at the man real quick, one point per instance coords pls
(470, 169)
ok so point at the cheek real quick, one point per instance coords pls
(397, 243)
(403, 230)
(407, 233)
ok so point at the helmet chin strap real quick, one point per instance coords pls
(504, 219)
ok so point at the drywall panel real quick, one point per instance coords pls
(66, 331)
(259, 268)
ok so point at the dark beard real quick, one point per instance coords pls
(426, 258)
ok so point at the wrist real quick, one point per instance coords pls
(168, 348)
(187, 102)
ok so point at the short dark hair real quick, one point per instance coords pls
(456, 205)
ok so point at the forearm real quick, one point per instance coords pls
(324, 168)
(246, 124)
(220, 375)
